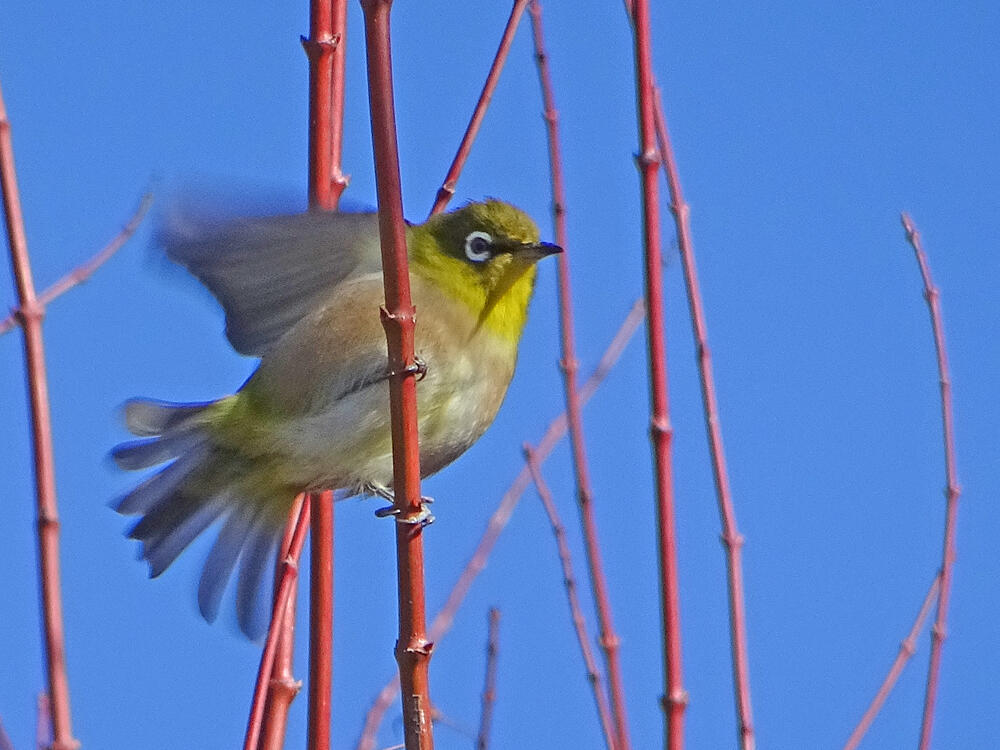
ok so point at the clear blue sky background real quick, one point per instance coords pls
(801, 130)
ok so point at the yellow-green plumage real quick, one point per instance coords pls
(303, 294)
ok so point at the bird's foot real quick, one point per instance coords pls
(418, 368)
(422, 517)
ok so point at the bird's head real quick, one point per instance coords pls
(483, 254)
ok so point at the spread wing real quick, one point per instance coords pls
(270, 272)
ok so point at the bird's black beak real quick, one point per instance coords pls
(538, 250)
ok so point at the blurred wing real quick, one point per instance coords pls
(270, 272)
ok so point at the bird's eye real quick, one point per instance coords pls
(477, 246)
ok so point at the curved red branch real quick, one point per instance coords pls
(940, 628)
(282, 596)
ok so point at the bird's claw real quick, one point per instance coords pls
(422, 517)
(418, 368)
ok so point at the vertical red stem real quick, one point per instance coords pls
(940, 628)
(675, 697)
(320, 620)
(498, 521)
(31, 313)
(906, 650)
(608, 636)
(447, 189)
(412, 648)
(731, 536)
(325, 50)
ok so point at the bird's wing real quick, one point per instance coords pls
(270, 272)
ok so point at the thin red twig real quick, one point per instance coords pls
(447, 189)
(906, 650)
(338, 178)
(940, 628)
(731, 536)
(568, 363)
(282, 687)
(575, 610)
(490, 680)
(413, 650)
(498, 521)
(281, 598)
(675, 697)
(84, 271)
(30, 313)
(325, 50)
(320, 620)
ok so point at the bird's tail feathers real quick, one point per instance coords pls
(203, 483)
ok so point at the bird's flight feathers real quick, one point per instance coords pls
(268, 273)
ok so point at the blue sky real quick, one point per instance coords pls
(801, 131)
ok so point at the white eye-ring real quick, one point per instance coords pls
(477, 246)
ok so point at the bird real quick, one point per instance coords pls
(301, 292)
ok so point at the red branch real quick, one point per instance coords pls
(413, 650)
(325, 50)
(282, 597)
(320, 620)
(731, 536)
(498, 521)
(282, 687)
(675, 697)
(84, 271)
(447, 189)
(30, 313)
(608, 637)
(490, 680)
(906, 650)
(576, 611)
(940, 628)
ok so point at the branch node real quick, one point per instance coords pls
(317, 49)
(285, 685)
(660, 426)
(609, 641)
(939, 631)
(649, 158)
(674, 698)
(30, 310)
(732, 539)
(567, 366)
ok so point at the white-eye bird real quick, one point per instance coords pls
(302, 292)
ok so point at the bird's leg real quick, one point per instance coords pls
(422, 517)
